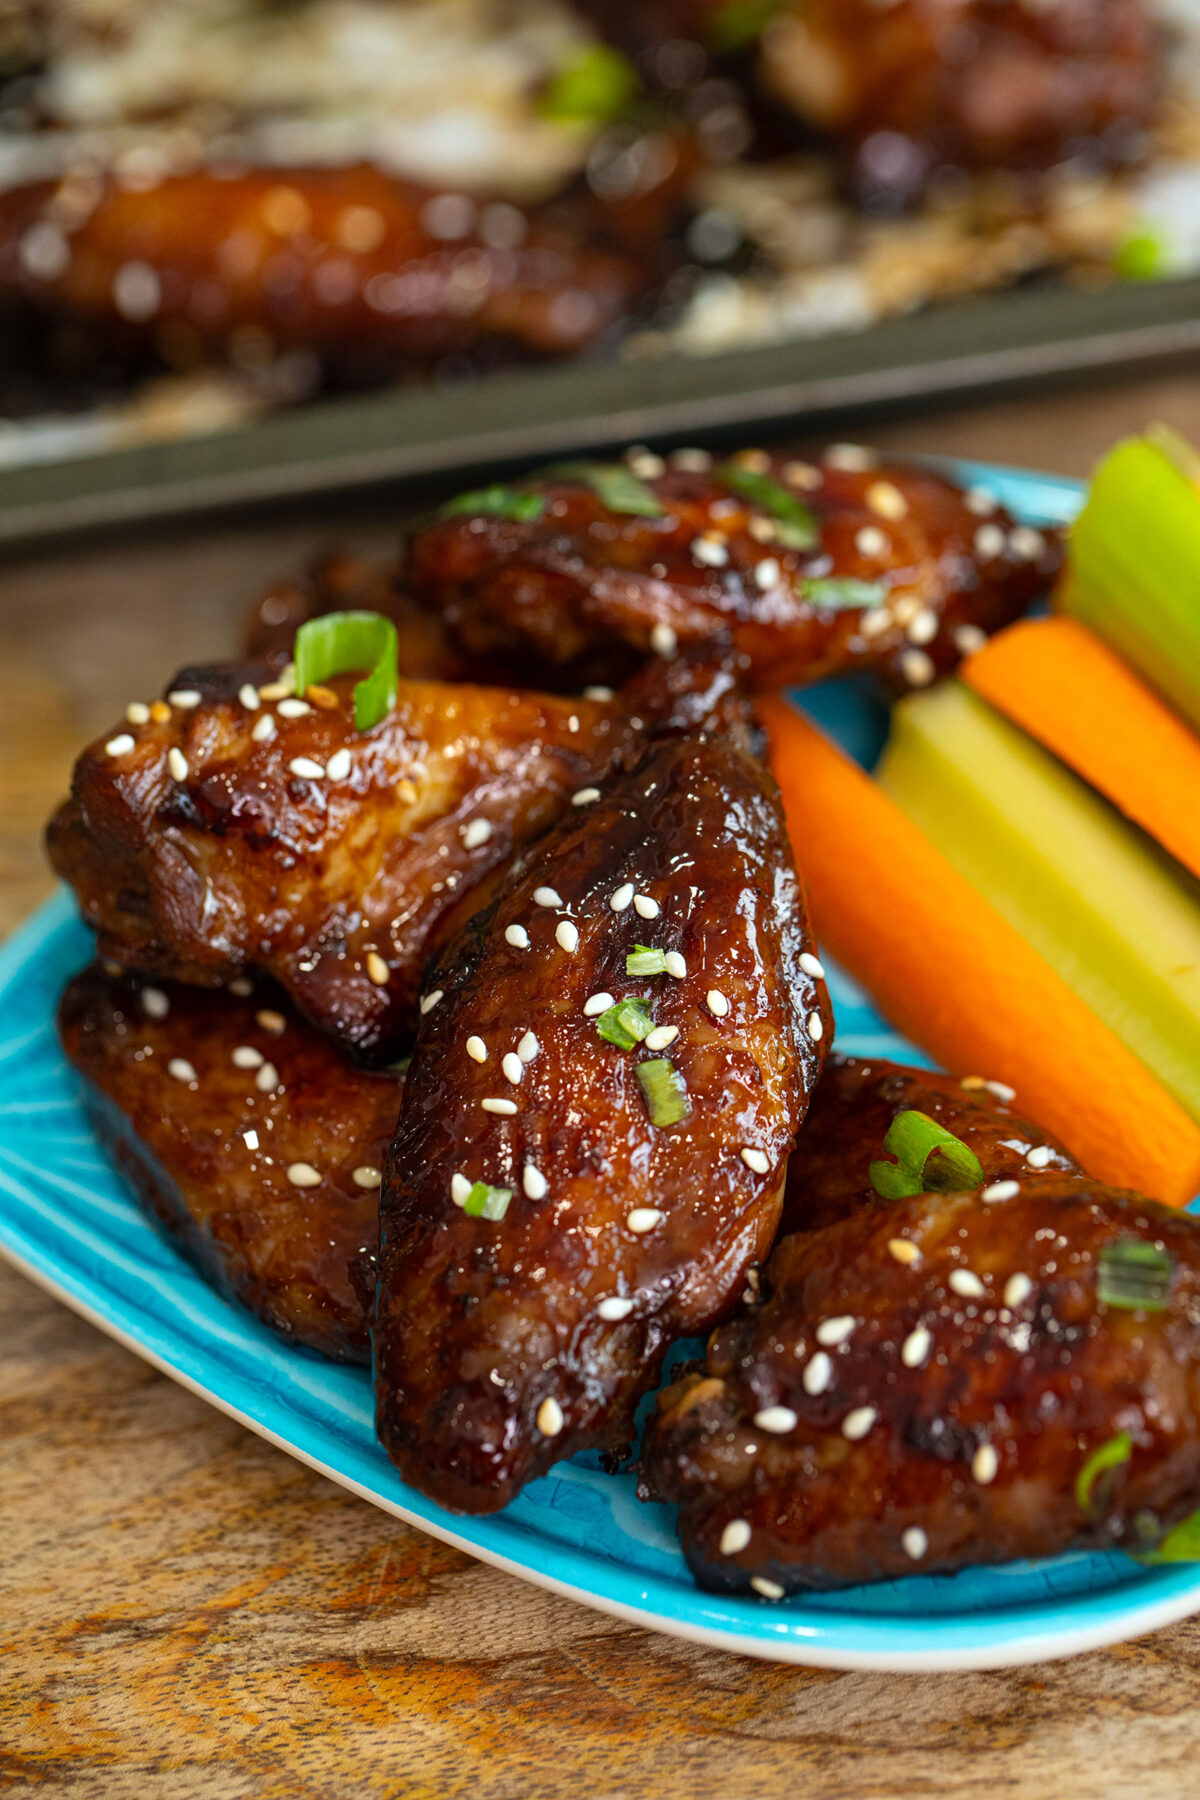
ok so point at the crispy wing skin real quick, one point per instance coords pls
(205, 1099)
(334, 860)
(504, 1345)
(852, 1111)
(587, 590)
(347, 261)
(923, 1389)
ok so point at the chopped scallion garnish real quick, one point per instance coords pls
(1180, 1545)
(614, 486)
(497, 502)
(1134, 1275)
(929, 1160)
(342, 642)
(487, 1202)
(664, 1090)
(799, 527)
(643, 961)
(626, 1023)
(842, 593)
(597, 85)
(1110, 1455)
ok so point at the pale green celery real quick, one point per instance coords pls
(1110, 912)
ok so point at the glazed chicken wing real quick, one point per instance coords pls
(238, 827)
(248, 1136)
(807, 570)
(852, 1110)
(544, 1238)
(929, 1384)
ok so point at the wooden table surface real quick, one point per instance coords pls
(187, 1614)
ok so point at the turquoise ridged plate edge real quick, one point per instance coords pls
(68, 1221)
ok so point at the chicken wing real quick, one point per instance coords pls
(941, 1382)
(544, 1238)
(852, 1111)
(249, 1137)
(233, 826)
(806, 569)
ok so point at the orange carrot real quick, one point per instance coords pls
(1066, 688)
(956, 978)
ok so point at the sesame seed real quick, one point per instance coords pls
(181, 1069)
(768, 572)
(547, 896)
(716, 1002)
(512, 1067)
(339, 765)
(550, 1417)
(770, 1590)
(241, 987)
(460, 1187)
(756, 1160)
(303, 1175)
(250, 1139)
(293, 709)
(816, 1029)
(643, 1219)
(1001, 1190)
(271, 1021)
(968, 639)
(875, 620)
(915, 1542)
(248, 695)
(1041, 1158)
(615, 1309)
(812, 966)
(247, 1057)
(673, 964)
(776, 1419)
(984, 1464)
(528, 1047)
(856, 1424)
(917, 668)
(886, 499)
(870, 541)
(155, 1004)
(506, 1108)
(757, 461)
(307, 768)
(476, 1049)
(802, 475)
(566, 935)
(177, 763)
(160, 712)
(853, 458)
(710, 553)
(379, 973)
(661, 1036)
(184, 698)
(989, 542)
(477, 832)
(695, 462)
(663, 640)
(645, 907)
(836, 1331)
(517, 936)
(1017, 1289)
(966, 1283)
(534, 1182)
(267, 1079)
(621, 899)
(916, 1347)
(263, 730)
(981, 501)
(1002, 1091)
(598, 693)
(1026, 544)
(903, 1250)
(597, 1004)
(735, 1537)
(120, 745)
(762, 530)
(366, 1177)
(585, 797)
(137, 712)
(645, 463)
(923, 627)
(818, 1373)
(277, 690)
(573, 722)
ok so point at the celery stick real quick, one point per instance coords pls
(1110, 912)
(1133, 574)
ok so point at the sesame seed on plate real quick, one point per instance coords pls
(546, 896)
(267, 1079)
(768, 572)
(366, 1177)
(645, 907)
(643, 1219)
(756, 1160)
(250, 1139)
(966, 1283)
(120, 745)
(615, 1308)
(1000, 1190)
(303, 1175)
(917, 668)
(802, 475)
(566, 935)
(622, 897)
(854, 459)
(263, 730)
(770, 1590)
(1041, 1158)
(248, 695)
(307, 768)
(816, 1029)
(271, 1021)
(1026, 544)
(981, 501)
(293, 708)
(277, 690)
(716, 1002)
(598, 693)
(645, 463)
(812, 966)
(512, 1067)
(735, 1537)
(984, 1464)
(585, 796)
(923, 627)
(776, 1419)
(181, 1069)
(916, 1347)
(989, 542)
(597, 1004)
(534, 1182)
(137, 712)
(870, 541)
(757, 461)
(155, 1004)
(762, 530)
(886, 499)
(528, 1047)
(177, 763)
(241, 987)
(477, 1049)
(460, 1187)
(875, 620)
(695, 462)
(837, 1330)
(506, 1108)
(915, 1542)
(661, 1036)
(1002, 1091)
(550, 1419)
(818, 1373)
(663, 640)
(968, 639)
(904, 1250)
(339, 765)
(475, 833)
(856, 1424)
(517, 936)
(184, 698)
(1017, 1289)
(673, 964)
(379, 973)
(245, 1056)
(709, 552)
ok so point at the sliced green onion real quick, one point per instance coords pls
(914, 1139)
(643, 961)
(1109, 1456)
(842, 593)
(799, 527)
(614, 486)
(664, 1091)
(497, 502)
(625, 1024)
(738, 24)
(1180, 1545)
(341, 642)
(597, 85)
(487, 1202)
(1134, 1275)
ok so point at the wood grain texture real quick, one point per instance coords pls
(188, 1614)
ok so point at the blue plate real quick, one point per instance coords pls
(69, 1222)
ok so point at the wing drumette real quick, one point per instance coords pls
(545, 1239)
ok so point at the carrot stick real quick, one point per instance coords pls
(956, 978)
(1066, 688)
